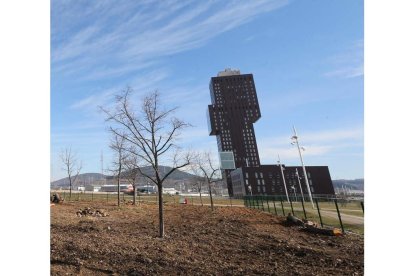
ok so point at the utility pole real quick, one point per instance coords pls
(283, 177)
(296, 141)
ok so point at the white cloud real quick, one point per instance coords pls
(141, 85)
(147, 31)
(270, 154)
(349, 72)
(94, 100)
(316, 143)
(348, 64)
(334, 135)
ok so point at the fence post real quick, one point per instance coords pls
(319, 213)
(339, 216)
(261, 198)
(283, 208)
(106, 196)
(231, 204)
(291, 207)
(274, 205)
(362, 205)
(267, 201)
(303, 207)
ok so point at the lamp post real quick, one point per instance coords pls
(300, 185)
(283, 177)
(296, 141)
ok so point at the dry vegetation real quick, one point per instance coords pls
(227, 241)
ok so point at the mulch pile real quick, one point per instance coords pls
(88, 211)
(198, 241)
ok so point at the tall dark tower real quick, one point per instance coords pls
(232, 113)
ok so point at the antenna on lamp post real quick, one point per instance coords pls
(283, 178)
(296, 141)
(250, 189)
(294, 190)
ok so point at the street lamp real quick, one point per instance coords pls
(283, 177)
(300, 185)
(295, 140)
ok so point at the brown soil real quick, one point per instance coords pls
(227, 241)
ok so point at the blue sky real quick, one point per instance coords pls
(306, 58)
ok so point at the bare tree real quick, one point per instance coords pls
(118, 144)
(198, 179)
(71, 166)
(152, 132)
(210, 172)
(132, 173)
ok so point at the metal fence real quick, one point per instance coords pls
(344, 213)
(112, 197)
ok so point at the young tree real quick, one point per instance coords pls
(210, 172)
(118, 144)
(71, 166)
(132, 173)
(198, 179)
(151, 132)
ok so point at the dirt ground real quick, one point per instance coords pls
(227, 241)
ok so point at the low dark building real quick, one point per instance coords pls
(268, 180)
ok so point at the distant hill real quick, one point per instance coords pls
(176, 175)
(92, 177)
(84, 178)
(356, 184)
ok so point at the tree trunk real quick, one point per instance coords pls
(161, 211)
(119, 191)
(70, 190)
(135, 194)
(211, 196)
(201, 200)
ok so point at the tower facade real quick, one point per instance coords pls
(233, 110)
(231, 116)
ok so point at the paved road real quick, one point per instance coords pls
(357, 220)
(345, 217)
